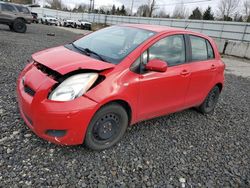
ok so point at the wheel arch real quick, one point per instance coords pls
(21, 18)
(122, 103)
(220, 85)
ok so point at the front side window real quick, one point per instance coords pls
(8, 8)
(201, 49)
(170, 49)
(114, 43)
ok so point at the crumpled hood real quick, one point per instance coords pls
(63, 60)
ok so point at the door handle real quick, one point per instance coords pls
(185, 73)
(213, 67)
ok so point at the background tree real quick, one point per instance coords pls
(162, 14)
(113, 10)
(196, 14)
(143, 11)
(123, 11)
(55, 4)
(19, 1)
(208, 15)
(246, 6)
(227, 9)
(180, 11)
(152, 7)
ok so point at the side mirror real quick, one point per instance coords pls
(156, 65)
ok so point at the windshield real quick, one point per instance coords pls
(114, 43)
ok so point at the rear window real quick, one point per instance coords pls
(22, 9)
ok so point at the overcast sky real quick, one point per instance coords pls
(167, 5)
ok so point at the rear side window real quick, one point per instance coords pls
(210, 51)
(201, 49)
(8, 8)
(23, 9)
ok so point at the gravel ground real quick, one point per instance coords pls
(182, 149)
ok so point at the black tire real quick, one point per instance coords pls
(75, 26)
(210, 102)
(106, 127)
(19, 26)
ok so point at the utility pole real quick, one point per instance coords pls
(93, 6)
(132, 6)
(90, 5)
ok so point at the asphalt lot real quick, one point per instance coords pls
(185, 148)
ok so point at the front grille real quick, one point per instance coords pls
(29, 90)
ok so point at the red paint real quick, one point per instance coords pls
(149, 95)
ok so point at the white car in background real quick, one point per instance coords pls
(49, 20)
(68, 23)
(83, 24)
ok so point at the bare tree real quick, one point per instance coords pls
(143, 11)
(246, 5)
(55, 4)
(180, 11)
(152, 7)
(227, 8)
(163, 14)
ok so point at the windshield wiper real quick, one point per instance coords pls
(80, 49)
(96, 54)
(87, 52)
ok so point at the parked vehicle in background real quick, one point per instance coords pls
(49, 20)
(35, 17)
(90, 90)
(15, 16)
(83, 24)
(67, 22)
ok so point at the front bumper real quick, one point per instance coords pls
(43, 115)
(70, 24)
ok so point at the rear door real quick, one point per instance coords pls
(203, 69)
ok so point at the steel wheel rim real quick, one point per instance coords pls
(106, 128)
(212, 98)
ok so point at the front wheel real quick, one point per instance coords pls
(210, 102)
(106, 127)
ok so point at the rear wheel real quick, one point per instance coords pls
(19, 26)
(107, 127)
(210, 102)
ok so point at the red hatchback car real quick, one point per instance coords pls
(90, 90)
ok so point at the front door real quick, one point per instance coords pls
(163, 93)
(6, 12)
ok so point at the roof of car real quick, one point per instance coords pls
(155, 28)
(165, 29)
